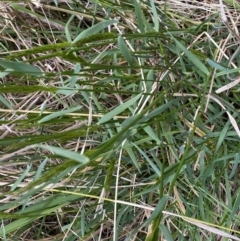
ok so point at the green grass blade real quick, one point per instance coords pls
(6, 102)
(192, 57)
(94, 29)
(124, 50)
(155, 16)
(59, 114)
(19, 180)
(158, 209)
(167, 235)
(20, 67)
(66, 153)
(119, 109)
(235, 166)
(140, 16)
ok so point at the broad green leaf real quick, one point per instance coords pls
(83, 218)
(215, 65)
(21, 67)
(119, 109)
(192, 58)
(167, 235)
(66, 28)
(94, 29)
(155, 16)
(152, 134)
(235, 166)
(158, 209)
(58, 114)
(5, 102)
(139, 15)
(124, 50)
(66, 153)
(5, 72)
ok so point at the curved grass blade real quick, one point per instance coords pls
(94, 29)
(58, 114)
(66, 153)
(119, 109)
(166, 233)
(155, 16)
(124, 50)
(5, 102)
(20, 67)
(192, 57)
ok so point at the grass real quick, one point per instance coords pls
(114, 125)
